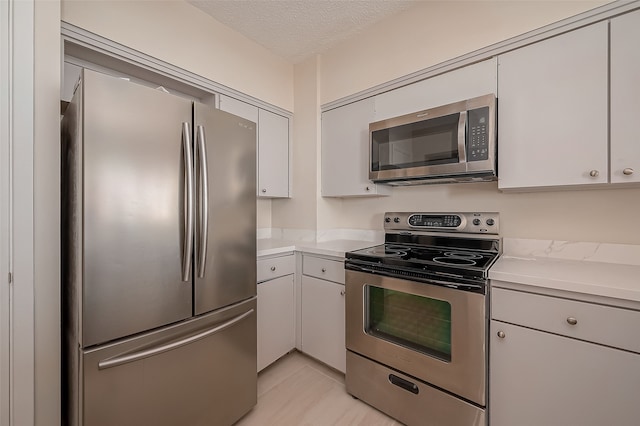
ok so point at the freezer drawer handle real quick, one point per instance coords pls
(203, 200)
(114, 362)
(187, 245)
(404, 384)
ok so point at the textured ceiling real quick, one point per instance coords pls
(297, 29)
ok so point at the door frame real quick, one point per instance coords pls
(17, 322)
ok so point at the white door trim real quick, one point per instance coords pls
(16, 214)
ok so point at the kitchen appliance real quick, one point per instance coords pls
(417, 317)
(159, 258)
(451, 143)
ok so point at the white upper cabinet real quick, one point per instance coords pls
(345, 151)
(273, 146)
(273, 155)
(552, 111)
(625, 98)
(457, 85)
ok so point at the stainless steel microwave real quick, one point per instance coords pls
(450, 143)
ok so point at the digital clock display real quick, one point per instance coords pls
(435, 221)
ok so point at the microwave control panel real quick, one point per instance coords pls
(478, 135)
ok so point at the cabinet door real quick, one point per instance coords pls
(273, 146)
(625, 98)
(453, 86)
(345, 151)
(323, 321)
(273, 155)
(538, 378)
(552, 111)
(276, 319)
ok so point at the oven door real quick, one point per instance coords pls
(436, 334)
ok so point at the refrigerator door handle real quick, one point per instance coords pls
(146, 353)
(203, 205)
(188, 222)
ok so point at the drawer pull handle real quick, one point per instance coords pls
(572, 320)
(324, 269)
(501, 334)
(273, 268)
(341, 292)
(404, 384)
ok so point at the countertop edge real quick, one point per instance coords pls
(598, 282)
(333, 248)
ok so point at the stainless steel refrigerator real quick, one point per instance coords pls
(159, 258)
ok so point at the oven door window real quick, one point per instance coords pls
(415, 322)
(424, 143)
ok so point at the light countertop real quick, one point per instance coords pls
(334, 248)
(578, 268)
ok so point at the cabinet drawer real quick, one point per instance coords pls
(275, 267)
(324, 269)
(606, 325)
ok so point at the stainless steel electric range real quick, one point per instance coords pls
(417, 317)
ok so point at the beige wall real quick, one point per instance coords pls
(429, 34)
(178, 33)
(588, 215)
(301, 211)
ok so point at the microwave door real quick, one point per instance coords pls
(422, 147)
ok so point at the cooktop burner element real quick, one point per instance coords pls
(454, 261)
(453, 249)
(388, 250)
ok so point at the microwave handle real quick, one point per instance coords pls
(462, 136)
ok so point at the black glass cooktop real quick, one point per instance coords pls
(462, 268)
(419, 257)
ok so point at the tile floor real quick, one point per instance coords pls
(297, 390)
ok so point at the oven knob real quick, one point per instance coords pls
(387, 219)
(396, 219)
(490, 222)
(476, 221)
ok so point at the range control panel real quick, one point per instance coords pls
(468, 222)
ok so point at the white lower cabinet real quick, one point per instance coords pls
(543, 372)
(322, 319)
(276, 309)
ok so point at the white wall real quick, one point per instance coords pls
(424, 36)
(46, 205)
